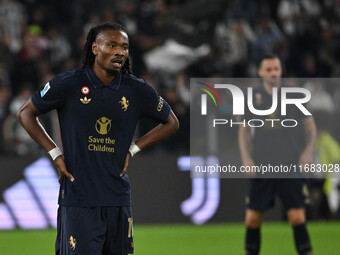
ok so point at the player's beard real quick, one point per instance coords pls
(112, 72)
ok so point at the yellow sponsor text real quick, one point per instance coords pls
(93, 147)
(101, 144)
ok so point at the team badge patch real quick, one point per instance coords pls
(85, 90)
(45, 89)
(124, 103)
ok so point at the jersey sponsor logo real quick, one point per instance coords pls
(124, 103)
(160, 104)
(45, 89)
(73, 242)
(85, 90)
(85, 100)
(103, 125)
(101, 144)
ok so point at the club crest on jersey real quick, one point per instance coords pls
(45, 89)
(85, 100)
(124, 103)
(73, 243)
(85, 90)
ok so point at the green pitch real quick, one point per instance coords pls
(178, 239)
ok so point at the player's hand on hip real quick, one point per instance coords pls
(62, 170)
(248, 161)
(126, 163)
(306, 158)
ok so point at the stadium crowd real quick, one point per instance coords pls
(170, 41)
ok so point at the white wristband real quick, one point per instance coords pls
(134, 149)
(55, 152)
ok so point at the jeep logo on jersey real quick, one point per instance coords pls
(103, 125)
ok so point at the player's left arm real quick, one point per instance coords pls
(154, 136)
(310, 133)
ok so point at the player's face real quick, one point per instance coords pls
(111, 49)
(271, 70)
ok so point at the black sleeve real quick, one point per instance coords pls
(152, 105)
(49, 97)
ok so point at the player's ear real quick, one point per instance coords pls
(94, 48)
(260, 69)
(259, 72)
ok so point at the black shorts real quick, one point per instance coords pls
(94, 231)
(293, 193)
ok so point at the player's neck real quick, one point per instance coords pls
(103, 75)
(269, 88)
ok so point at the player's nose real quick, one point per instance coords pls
(275, 75)
(119, 52)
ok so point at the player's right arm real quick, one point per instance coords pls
(28, 118)
(244, 141)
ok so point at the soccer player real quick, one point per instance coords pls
(98, 107)
(271, 146)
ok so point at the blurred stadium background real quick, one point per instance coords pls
(170, 41)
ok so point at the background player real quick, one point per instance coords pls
(276, 146)
(98, 107)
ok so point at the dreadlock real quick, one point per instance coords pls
(88, 56)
